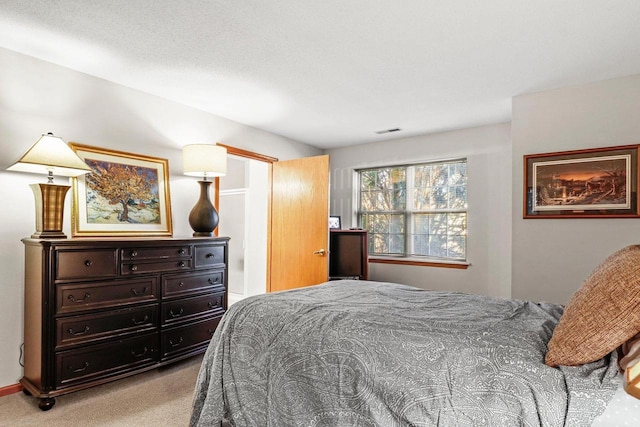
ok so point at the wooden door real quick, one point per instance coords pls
(299, 223)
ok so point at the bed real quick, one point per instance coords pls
(363, 353)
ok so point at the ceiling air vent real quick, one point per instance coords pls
(380, 132)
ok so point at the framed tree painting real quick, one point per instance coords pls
(591, 183)
(125, 195)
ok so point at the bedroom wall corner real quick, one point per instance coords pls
(552, 257)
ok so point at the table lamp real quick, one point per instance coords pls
(50, 155)
(208, 161)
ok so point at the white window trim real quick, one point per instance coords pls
(405, 258)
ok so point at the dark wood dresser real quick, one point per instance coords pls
(97, 310)
(348, 254)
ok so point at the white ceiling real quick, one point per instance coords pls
(333, 72)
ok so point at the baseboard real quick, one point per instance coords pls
(10, 389)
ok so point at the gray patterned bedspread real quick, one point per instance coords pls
(357, 353)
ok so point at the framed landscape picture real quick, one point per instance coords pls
(591, 183)
(125, 195)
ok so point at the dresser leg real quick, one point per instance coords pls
(26, 392)
(46, 403)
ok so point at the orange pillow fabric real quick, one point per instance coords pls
(602, 315)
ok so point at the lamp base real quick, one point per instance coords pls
(203, 218)
(49, 210)
(203, 234)
(48, 235)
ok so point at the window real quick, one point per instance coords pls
(417, 210)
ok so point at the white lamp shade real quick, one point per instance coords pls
(51, 153)
(204, 160)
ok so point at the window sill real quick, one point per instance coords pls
(462, 265)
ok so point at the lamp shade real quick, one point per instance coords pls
(204, 160)
(51, 155)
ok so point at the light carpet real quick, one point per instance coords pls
(161, 397)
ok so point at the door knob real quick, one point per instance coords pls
(320, 252)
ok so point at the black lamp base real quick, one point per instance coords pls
(203, 217)
(203, 234)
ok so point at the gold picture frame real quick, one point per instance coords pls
(125, 195)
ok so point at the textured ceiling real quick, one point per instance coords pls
(333, 72)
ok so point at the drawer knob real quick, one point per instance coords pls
(133, 267)
(72, 332)
(72, 369)
(210, 255)
(211, 331)
(136, 293)
(181, 284)
(87, 295)
(144, 351)
(181, 264)
(139, 322)
(172, 344)
(133, 253)
(88, 263)
(212, 304)
(213, 281)
(181, 251)
(176, 314)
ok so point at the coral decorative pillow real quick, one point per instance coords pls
(602, 314)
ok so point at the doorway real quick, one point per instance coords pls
(243, 207)
(267, 225)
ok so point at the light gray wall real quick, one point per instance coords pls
(551, 257)
(488, 153)
(38, 97)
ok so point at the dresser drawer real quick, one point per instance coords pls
(86, 264)
(88, 296)
(188, 338)
(187, 308)
(100, 360)
(209, 255)
(95, 327)
(184, 284)
(146, 267)
(156, 253)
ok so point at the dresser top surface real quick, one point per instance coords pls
(137, 241)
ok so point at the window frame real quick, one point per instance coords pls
(407, 257)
